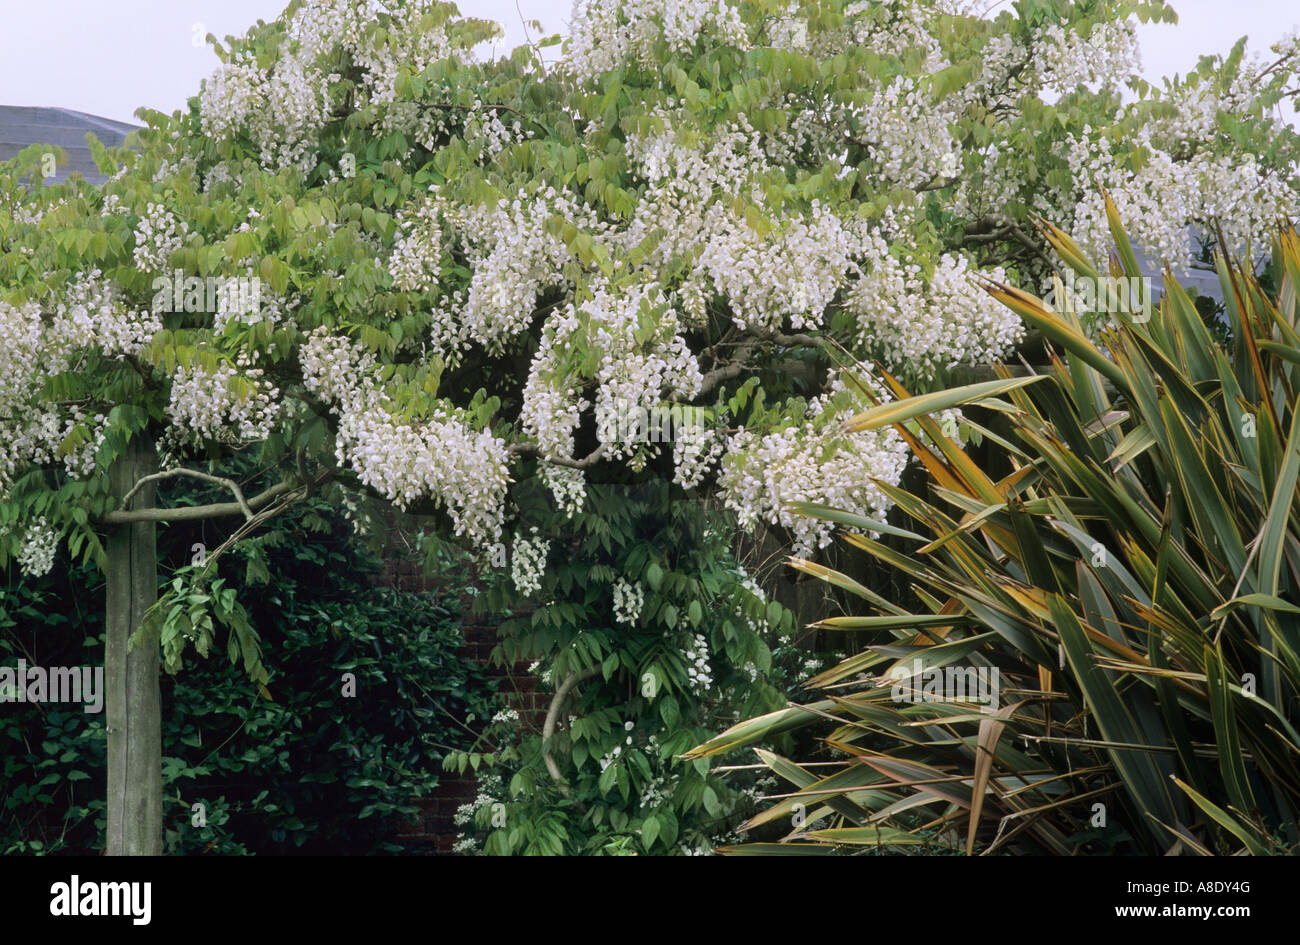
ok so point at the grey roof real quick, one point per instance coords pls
(23, 125)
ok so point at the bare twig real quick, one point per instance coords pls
(192, 513)
(740, 360)
(194, 474)
(530, 449)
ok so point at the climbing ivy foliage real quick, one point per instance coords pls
(294, 766)
(391, 268)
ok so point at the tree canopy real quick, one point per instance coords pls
(464, 262)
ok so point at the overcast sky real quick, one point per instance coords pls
(108, 57)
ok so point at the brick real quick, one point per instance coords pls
(403, 571)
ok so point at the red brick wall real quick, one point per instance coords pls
(434, 824)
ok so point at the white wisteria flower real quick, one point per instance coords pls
(528, 562)
(629, 598)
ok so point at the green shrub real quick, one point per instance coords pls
(307, 770)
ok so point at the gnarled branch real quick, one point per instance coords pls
(738, 364)
(527, 449)
(553, 714)
(193, 513)
(193, 474)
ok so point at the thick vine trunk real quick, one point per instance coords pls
(132, 700)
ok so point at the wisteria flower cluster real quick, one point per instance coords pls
(1174, 197)
(763, 475)
(36, 554)
(514, 256)
(490, 793)
(629, 598)
(909, 133)
(931, 322)
(1105, 58)
(284, 108)
(89, 315)
(227, 401)
(416, 261)
(439, 456)
(528, 562)
(93, 312)
(609, 35)
(643, 361)
(157, 236)
(698, 674)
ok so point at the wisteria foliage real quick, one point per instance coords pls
(466, 259)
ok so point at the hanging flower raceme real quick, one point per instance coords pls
(629, 598)
(438, 456)
(763, 475)
(528, 562)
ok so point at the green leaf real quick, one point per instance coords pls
(654, 576)
(711, 802)
(1227, 736)
(649, 832)
(1273, 536)
(1141, 774)
(893, 412)
(1224, 820)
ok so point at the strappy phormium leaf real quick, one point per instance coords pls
(1133, 585)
